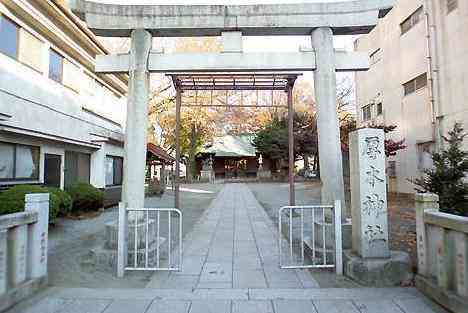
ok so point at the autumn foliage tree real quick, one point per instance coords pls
(391, 146)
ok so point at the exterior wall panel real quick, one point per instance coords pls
(31, 50)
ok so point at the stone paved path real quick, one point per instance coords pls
(231, 266)
(233, 246)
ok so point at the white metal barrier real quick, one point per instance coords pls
(305, 219)
(146, 239)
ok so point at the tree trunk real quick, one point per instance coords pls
(306, 162)
(191, 167)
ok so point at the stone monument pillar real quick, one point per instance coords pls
(207, 171)
(371, 262)
(369, 193)
(262, 174)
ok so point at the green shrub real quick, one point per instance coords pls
(12, 200)
(85, 197)
(65, 200)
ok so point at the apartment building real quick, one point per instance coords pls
(418, 80)
(60, 123)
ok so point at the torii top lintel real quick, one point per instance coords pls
(345, 18)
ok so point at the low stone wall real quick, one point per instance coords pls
(442, 254)
(23, 251)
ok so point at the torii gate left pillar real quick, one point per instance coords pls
(133, 189)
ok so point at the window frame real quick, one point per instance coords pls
(62, 67)
(392, 169)
(15, 153)
(16, 57)
(114, 170)
(373, 60)
(452, 5)
(379, 109)
(410, 19)
(414, 83)
(363, 109)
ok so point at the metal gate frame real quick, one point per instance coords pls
(336, 210)
(122, 250)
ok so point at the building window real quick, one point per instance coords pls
(18, 162)
(9, 37)
(55, 66)
(379, 108)
(415, 84)
(367, 112)
(425, 155)
(411, 21)
(77, 168)
(391, 170)
(114, 170)
(452, 5)
(376, 56)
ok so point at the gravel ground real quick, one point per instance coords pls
(70, 241)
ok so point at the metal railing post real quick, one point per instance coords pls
(122, 252)
(338, 239)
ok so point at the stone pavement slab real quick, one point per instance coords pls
(381, 306)
(86, 306)
(128, 306)
(210, 306)
(252, 307)
(168, 307)
(334, 306)
(296, 306)
(333, 300)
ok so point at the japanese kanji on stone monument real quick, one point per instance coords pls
(369, 195)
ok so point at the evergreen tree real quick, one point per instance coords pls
(447, 177)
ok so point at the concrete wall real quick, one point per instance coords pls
(404, 57)
(442, 254)
(452, 63)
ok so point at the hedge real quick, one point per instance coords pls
(12, 200)
(65, 200)
(85, 197)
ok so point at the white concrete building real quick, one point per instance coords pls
(417, 81)
(60, 123)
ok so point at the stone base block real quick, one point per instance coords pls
(347, 235)
(263, 174)
(22, 292)
(105, 259)
(207, 175)
(446, 298)
(388, 272)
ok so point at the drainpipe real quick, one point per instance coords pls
(433, 72)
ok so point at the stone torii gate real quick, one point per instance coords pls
(319, 20)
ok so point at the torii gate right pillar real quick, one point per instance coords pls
(329, 143)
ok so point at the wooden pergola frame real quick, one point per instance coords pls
(235, 81)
